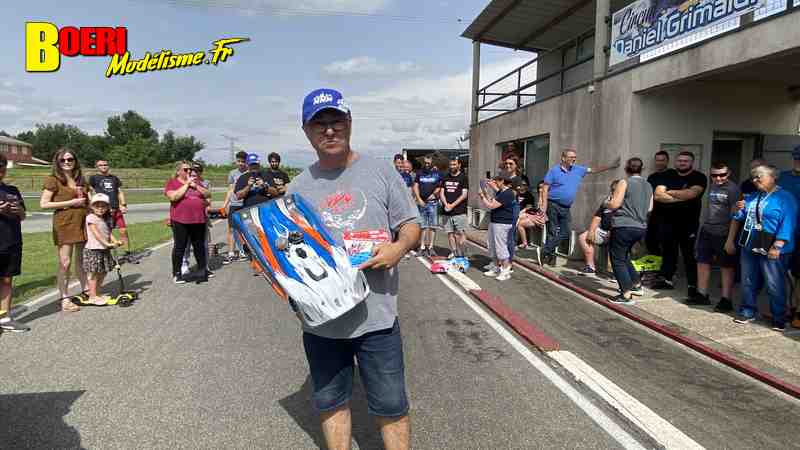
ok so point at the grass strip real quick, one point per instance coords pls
(39, 261)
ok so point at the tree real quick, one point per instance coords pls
(3, 133)
(122, 129)
(47, 139)
(138, 152)
(179, 148)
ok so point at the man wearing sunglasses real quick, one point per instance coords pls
(254, 186)
(715, 222)
(355, 192)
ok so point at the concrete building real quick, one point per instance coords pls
(628, 78)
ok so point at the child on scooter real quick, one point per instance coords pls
(97, 261)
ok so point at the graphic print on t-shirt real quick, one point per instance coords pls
(342, 210)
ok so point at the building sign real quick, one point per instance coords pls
(648, 25)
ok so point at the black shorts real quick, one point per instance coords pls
(11, 261)
(710, 249)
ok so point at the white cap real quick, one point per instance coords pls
(96, 198)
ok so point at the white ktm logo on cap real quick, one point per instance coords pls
(323, 98)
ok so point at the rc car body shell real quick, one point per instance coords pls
(302, 262)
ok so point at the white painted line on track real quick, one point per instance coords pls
(643, 417)
(651, 423)
(596, 414)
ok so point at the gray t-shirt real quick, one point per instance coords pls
(233, 176)
(368, 195)
(716, 217)
(635, 205)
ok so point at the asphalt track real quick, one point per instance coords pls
(221, 366)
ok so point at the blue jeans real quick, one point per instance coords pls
(622, 240)
(756, 270)
(380, 365)
(558, 226)
(429, 214)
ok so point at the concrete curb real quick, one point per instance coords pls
(723, 358)
(522, 327)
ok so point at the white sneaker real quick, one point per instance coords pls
(492, 272)
(490, 266)
(451, 255)
(504, 275)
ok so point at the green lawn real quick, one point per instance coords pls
(39, 257)
(133, 198)
(29, 179)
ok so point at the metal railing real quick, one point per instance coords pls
(519, 93)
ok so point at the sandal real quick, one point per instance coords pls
(68, 306)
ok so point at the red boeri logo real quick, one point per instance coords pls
(45, 44)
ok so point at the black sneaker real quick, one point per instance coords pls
(698, 299)
(743, 319)
(663, 285)
(210, 274)
(724, 306)
(14, 326)
(587, 270)
(228, 259)
(779, 326)
(691, 291)
(549, 260)
(621, 300)
(637, 290)
(178, 279)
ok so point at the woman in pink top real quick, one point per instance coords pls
(187, 214)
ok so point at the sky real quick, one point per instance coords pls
(401, 64)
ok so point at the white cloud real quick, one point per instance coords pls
(284, 8)
(364, 66)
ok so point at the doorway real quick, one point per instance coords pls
(736, 150)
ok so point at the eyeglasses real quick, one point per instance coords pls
(719, 175)
(274, 162)
(510, 164)
(66, 160)
(186, 169)
(321, 127)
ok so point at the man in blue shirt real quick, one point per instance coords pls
(560, 186)
(789, 180)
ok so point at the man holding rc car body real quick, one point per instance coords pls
(354, 192)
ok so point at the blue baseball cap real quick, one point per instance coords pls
(320, 99)
(796, 152)
(253, 158)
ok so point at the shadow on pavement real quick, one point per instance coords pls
(365, 430)
(36, 420)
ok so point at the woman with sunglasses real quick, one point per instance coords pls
(769, 218)
(187, 215)
(512, 169)
(64, 193)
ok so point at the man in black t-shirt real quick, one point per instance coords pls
(254, 186)
(105, 183)
(660, 167)
(680, 196)
(12, 213)
(453, 196)
(277, 178)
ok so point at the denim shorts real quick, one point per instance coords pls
(380, 366)
(455, 224)
(429, 214)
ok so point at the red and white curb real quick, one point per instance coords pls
(675, 335)
(636, 412)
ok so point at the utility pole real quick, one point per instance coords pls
(233, 148)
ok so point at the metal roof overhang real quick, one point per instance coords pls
(534, 25)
